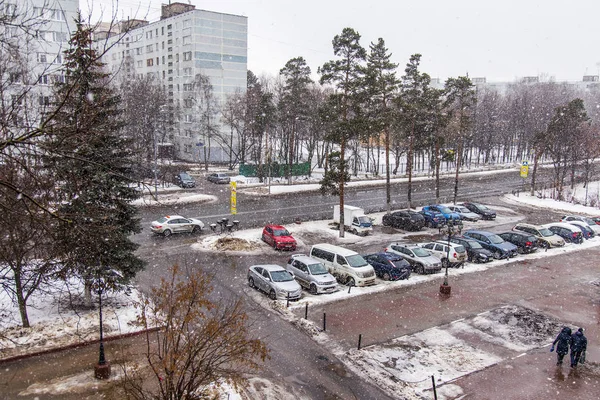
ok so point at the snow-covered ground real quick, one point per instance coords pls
(55, 325)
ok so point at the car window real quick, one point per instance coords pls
(258, 270)
(265, 273)
(429, 246)
(440, 247)
(301, 267)
(419, 252)
(444, 210)
(281, 276)
(162, 220)
(317, 269)
(356, 261)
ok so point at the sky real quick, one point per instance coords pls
(500, 40)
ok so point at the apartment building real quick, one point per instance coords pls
(185, 42)
(40, 30)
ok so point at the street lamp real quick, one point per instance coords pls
(450, 229)
(102, 369)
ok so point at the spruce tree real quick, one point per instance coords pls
(91, 160)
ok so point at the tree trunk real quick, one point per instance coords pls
(409, 165)
(458, 161)
(21, 300)
(388, 196)
(437, 169)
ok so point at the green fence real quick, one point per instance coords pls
(275, 170)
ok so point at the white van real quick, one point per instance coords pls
(347, 266)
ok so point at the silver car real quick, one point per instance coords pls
(465, 213)
(311, 274)
(421, 260)
(170, 224)
(275, 281)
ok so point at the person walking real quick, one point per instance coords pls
(562, 344)
(578, 345)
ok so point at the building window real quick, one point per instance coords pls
(187, 56)
(140, 63)
(149, 35)
(187, 40)
(188, 118)
(43, 79)
(157, 59)
(186, 23)
(188, 103)
(162, 31)
(41, 57)
(187, 72)
(58, 78)
(163, 45)
(169, 26)
(58, 59)
(188, 87)
(149, 62)
(149, 48)
(44, 100)
(57, 15)
(138, 51)
(177, 57)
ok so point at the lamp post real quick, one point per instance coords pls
(102, 369)
(445, 287)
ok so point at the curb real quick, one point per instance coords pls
(75, 345)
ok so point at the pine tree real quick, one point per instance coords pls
(91, 160)
(347, 74)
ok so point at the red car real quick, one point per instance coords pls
(278, 237)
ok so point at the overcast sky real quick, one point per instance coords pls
(502, 41)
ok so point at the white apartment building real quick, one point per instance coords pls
(185, 42)
(41, 30)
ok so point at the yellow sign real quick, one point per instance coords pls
(524, 171)
(233, 198)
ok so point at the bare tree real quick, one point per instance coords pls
(200, 341)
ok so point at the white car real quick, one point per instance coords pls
(275, 281)
(465, 213)
(586, 220)
(455, 253)
(170, 224)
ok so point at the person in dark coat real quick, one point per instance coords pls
(578, 345)
(562, 344)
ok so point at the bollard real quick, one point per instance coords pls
(359, 340)
(434, 391)
(349, 288)
(306, 311)
(324, 322)
(287, 304)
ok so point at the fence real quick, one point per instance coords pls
(274, 170)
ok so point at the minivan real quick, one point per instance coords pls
(347, 266)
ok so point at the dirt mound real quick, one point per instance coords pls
(234, 244)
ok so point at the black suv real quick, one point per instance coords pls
(475, 252)
(525, 243)
(405, 219)
(482, 210)
(184, 180)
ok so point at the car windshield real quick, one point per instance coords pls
(364, 220)
(495, 239)
(419, 252)
(356, 261)
(589, 221)
(545, 232)
(475, 245)
(482, 207)
(185, 177)
(445, 210)
(280, 232)
(281, 276)
(317, 269)
(463, 210)
(459, 249)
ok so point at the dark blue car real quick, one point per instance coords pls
(433, 219)
(494, 243)
(445, 211)
(389, 266)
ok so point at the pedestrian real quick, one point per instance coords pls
(578, 345)
(562, 344)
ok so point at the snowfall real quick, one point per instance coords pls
(399, 367)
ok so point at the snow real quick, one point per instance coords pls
(402, 367)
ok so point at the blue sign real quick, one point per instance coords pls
(199, 144)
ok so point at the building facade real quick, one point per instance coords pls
(40, 30)
(175, 50)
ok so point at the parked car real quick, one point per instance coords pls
(348, 267)
(408, 220)
(525, 242)
(275, 281)
(445, 211)
(184, 180)
(311, 274)
(586, 230)
(219, 177)
(570, 233)
(475, 251)
(588, 221)
(433, 219)
(546, 238)
(278, 237)
(596, 220)
(421, 260)
(389, 266)
(170, 224)
(452, 254)
(494, 243)
(465, 213)
(484, 211)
